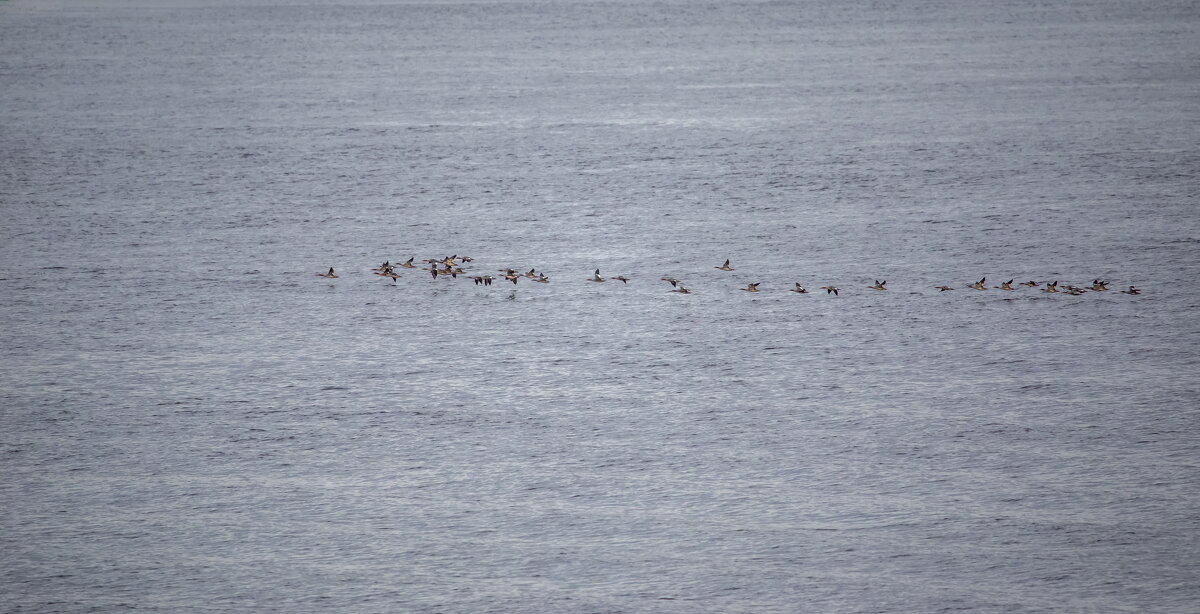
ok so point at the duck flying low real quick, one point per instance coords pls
(724, 267)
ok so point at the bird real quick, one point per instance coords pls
(1051, 286)
(979, 284)
(724, 267)
(1131, 290)
(1006, 285)
(680, 289)
(622, 279)
(330, 274)
(1099, 286)
(408, 264)
(596, 276)
(943, 288)
(799, 289)
(1031, 284)
(879, 285)
(531, 274)
(485, 280)
(751, 288)
(671, 280)
(512, 276)
(831, 290)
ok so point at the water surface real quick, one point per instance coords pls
(193, 420)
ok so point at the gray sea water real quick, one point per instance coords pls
(192, 420)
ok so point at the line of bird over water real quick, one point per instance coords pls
(451, 267)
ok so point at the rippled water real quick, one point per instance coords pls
(192, 420)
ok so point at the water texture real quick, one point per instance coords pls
(192, 420)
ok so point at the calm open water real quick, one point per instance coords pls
(191, 420)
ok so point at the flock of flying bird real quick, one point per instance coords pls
(451, 266)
